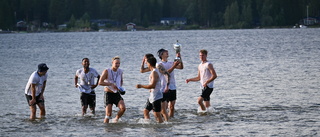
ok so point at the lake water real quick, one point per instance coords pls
(268, 82)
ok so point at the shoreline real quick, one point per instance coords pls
(117, 29)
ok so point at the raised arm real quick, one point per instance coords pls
(180, 65)
(142, 68)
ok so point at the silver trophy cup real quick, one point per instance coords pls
(177, 48)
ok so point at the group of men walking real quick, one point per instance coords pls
(161, 85)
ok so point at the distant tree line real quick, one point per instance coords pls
(204, 13)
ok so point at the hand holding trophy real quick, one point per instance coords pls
(177, 48)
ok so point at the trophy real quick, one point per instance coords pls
(177, 48)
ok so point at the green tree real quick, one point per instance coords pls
(246, 15)
(105, 8)
(232, 15)
(72, 22)
(27, 9)
(91, 7)
(166, 8)
(155, 11)
(266, 18)
(280, 19)
(118, 10)
(57, 12)
(6, 15)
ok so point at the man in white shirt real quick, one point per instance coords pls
(206, 76)
(155, 98)
(112, 79)
(87, 85)
(34, 90)
(170, 66)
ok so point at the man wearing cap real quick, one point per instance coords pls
(170, 66)
(34, 90)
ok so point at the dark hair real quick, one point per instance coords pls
(152, 61)
(160, 51)
(149, 55)
(85, 58)
(203, 51)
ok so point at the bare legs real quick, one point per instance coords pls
(203, 104)
(33, 110)
(122, 109)
(157, 115)
(171, 108)
(164, 113)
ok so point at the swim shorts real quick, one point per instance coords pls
(38, 100)
(112, 98)
(206, 92)
(171, 95)
(155, 106)
(88, 99)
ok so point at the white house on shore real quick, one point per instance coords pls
(173, 21)
(131, 26)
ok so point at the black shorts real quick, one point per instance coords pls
(112, 98)
(88, 99)
(206, 92)
(38, 100)
(155, 106)
(171, 95)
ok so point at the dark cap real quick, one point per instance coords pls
(160, 51)
(42, 67)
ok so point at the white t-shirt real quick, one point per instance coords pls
(86, 79)
(156, 93)
(114, 77)
(168, 65)
(205, 74)
(35, 79)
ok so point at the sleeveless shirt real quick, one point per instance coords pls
(205, 74)
(114, 77)
(156, 93)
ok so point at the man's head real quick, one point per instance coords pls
(149, 55)
(85, 62)
(152, 61)
(163, 53)
(42, 68)
(203, 54)
(116, 62)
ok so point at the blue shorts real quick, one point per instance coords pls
(112, 98)
(206, 92)
(155, 106)
(38, 100)
(88, 99)
(171, 95)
